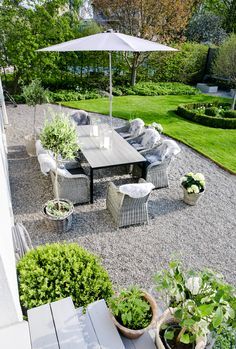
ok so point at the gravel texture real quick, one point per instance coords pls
(202, 236)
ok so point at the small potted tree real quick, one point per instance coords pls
(134, 311)
(60, 137)
(200, 305)
(34, 94)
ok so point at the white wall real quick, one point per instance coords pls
(10, 311)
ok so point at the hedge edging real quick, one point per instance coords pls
(211, 121)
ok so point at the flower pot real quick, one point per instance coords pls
(168, 318)
(132, 334)
(62, 224)
(171, 344)
(30, 145)
(191, 198)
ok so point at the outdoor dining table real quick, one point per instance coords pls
(119, 151)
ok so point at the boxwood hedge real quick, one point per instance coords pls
(54, 271)
(227, 120)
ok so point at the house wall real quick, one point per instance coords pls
(10, 311)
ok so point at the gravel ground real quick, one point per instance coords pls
(202, 236)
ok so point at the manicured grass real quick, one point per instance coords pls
(217, 144)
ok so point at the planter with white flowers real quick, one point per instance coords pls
(193, 187)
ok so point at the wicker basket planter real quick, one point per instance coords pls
(62, 224)
(132, 334)
(191, 198)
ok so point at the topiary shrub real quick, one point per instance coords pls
(54, 271)
(212, 111)
(197, 113)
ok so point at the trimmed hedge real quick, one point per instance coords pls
(54, 271)
(188, 111)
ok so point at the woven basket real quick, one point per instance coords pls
(61, 225)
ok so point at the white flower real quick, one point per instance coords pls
(183, 179)
(199, 177)
(195, 188)
(190, 174)
(193, 284)
(190, 190)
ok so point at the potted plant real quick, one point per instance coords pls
(60, 137)
(193, 186)
(199, 303)
(134, 311)
(34, 94)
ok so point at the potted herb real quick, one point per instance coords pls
(193, 186)
(34, 94)
(60, 137)
(134, 311)
(200, 303)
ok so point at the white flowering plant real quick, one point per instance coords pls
(201, 302)
(193, 182)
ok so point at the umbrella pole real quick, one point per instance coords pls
(110, 78)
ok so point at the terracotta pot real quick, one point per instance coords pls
(62, 224)
(132, 334)
(191, 198)
(30, 145)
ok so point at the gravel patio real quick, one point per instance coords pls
(202, 236)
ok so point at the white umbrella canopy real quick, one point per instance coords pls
(109, 41)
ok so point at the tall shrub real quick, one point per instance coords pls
(186, 66)
(224, 65)
(35, 94)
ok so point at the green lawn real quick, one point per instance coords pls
(217, 144)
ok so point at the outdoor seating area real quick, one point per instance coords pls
(95, 227)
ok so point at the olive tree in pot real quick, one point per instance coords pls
(34, 94)
(200, 305)
(60, 137)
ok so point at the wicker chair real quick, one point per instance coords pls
(147, 140)
(81, 117)
(73, 184)
(124, 209)
(132, 129)
(158, 160)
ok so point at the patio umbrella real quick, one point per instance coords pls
(109, 41)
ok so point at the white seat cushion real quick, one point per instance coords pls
(136, 191)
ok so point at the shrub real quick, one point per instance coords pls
(55, 271)
(164, 88)
(212, 111)
(67, 95)
(185, 66)
(230, 114)
(195, 112)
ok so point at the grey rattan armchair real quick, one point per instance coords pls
(158, 160)
(74, 187)
(124, 209)
(132, 129)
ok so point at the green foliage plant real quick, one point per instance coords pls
(193, 182)
(224, 65)
(60, 137)
(131, 309)
(54, 271)
(226, 339)
(201, 302)
(163, 88)
(35, 94)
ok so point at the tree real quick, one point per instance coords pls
(206, 28)
(224, 65)
(163, 21)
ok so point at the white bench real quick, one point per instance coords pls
(60, 326)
